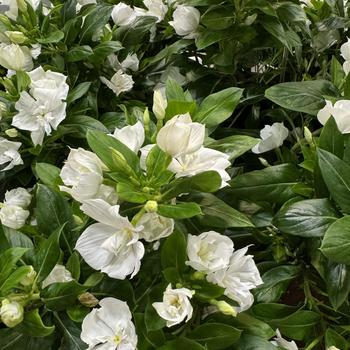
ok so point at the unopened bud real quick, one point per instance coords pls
(77, 220)
(226, 308)
(120, 161)
(87, 299)
(151, 207)
(11, 132)
(308, 135)
(11, 313)
(333, 348)
(16, 37)
(198, 275)
(5, 20)
(29, 278)
(159, 104)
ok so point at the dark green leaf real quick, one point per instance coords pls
(180, 210)
(173, 253)
(331, 139)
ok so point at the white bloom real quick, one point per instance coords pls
(48, 85)
(111, 245)
(186, 21)
(272, 136)
(160, 103)
(19, 197)
(340, 112)
(58, 274)
(181, 136)
(204, 159)
(11, 313)
(132, 136)
(12, 11)
(345, 52)
(176, 306)
(15, 57)
(131, 62)
(156, 8)
(83, 174)
(38, 116)
(9, 154)
(279, 341)
(13, 216)
(144, 153)
(333, 348)
(238, 278)
(110, 327)
(209, 251)
(124, 15)
(155, 227)
(120, 82)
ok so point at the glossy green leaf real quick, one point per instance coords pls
(180, 210)
(173, 252)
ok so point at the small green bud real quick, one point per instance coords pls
(77, 220)
(16, 37)
(198, 275)
(11, 132)
(29, 278)
(11, 313)
(308, 136)
(224, 307)
(151, 207)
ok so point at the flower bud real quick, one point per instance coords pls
(308, 135)
(159, 104)
(226, 308)
(11, 132)
(77, 220)
(11, 313)
(333, 348)
(151, 206)
(29, 278)
(88, 299)
(5, 20)
(16, 37)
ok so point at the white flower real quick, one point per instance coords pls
(238, 278)
(340, 112)
(13, 216)
(83, 174)
(19, 197)
(58, 274)
(156, 8)
(132, 136)
(29, 278)
(11, 313)
(111, 245)
(204, 159)
(120, 82)
(160, 103)
(345, 52)
(272, 136)
(186, 21)
(110, 327)
(209, 251)
(131, 62)
(12, 11)
(279, 341)
(38, 116)
(181, 136)
(176, 306)
(9, 154)
(155, 227)
(333, 348)
(48, 85)
(15, 57)
(124, 15)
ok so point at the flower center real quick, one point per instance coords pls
(117, 339)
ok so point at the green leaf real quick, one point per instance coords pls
(53, 37)
(252, 342)
(48, 174)
(58, 296)
(8, 261)
(79, 125)
(338, 283)
(253, 326)
(218, 18)
(205, 291)
(47, 255)
(94, 21)
(173, 252)
(179, 107)
(73, 265)
(336, 175)
(216, 213)
(101, 144)
(276, 282)
(181, 343)
(180, 210)
(331, 139)
(218, 107)
(308, 218)
(131, 194)
(332, 338)
(33, 325)
(208, 181)
(52, 210)
(234, 146)
(78, 53)
(273, 184)
(13, 280)
(79, 91)
(153, 321)
(336, 242)
(305, 96)
(102, 50)
(215, 335)
(157, 162)
(174, 92)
